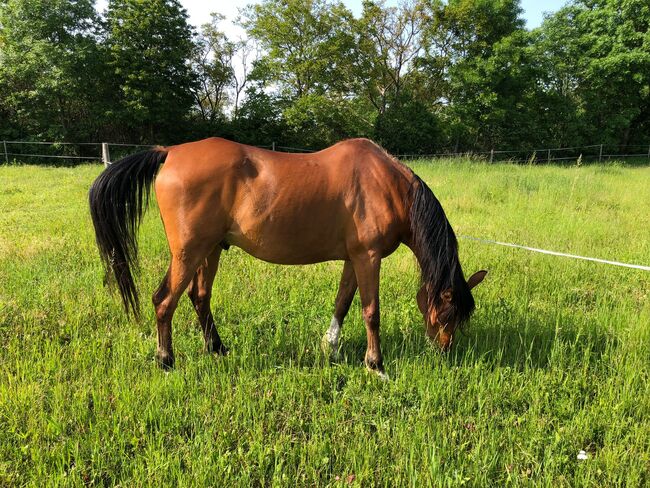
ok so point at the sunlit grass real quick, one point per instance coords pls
(555, 359)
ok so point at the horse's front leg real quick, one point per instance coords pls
(367, 271)
(347, 289)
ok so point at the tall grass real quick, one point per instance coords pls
(555, 360)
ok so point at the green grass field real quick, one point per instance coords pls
(555, 360)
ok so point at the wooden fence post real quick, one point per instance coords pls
(491, 154)
(4, 143)
(600, 155)
(273, 146)
(548, 157)
(106, 155)
(648, 152)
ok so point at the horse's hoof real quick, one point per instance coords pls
(376, 368)
(380, 374)
(165, 361)
(328, 349)
(221, 351)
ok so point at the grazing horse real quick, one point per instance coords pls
(351, 202)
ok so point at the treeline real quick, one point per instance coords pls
(423, 77)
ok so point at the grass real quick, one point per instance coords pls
(555, 359)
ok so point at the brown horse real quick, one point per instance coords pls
(349, 202)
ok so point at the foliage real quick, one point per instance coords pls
(150, 46)
(308, 45)
(599, 56)
(408, 127)
(213, 66)
(421, 76)
(50, 66)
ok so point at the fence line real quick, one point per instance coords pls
(95, 151)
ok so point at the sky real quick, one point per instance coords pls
(199, 11)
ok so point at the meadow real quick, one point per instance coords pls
(555, 360)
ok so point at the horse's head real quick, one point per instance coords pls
(440, 316)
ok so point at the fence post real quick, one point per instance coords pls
(491, 154)
(4, 143)
(600, 154)
(106, 155)
(273, 146)
(548, 157)
(648, 152)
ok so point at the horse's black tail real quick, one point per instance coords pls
(118, 199)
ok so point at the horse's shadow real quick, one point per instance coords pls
(520, 341)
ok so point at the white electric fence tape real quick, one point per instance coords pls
(555, 253)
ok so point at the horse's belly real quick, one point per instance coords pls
(289, 244)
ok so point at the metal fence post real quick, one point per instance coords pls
(4, 143)
(600, 155)
(106, 155)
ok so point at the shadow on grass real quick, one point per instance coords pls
(521, 342)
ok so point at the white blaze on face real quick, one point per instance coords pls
(333, 333)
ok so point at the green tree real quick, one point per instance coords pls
(213, 65)
(388, 43)
(480, 49)
(151, 44)
(51, 69)
(309, 49)
(599, 62)
(407, 126)
(308, 44)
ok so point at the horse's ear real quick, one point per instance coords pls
(422, 300)
(476, 278)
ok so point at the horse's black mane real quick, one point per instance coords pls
(436, 248)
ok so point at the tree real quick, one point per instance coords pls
(599, 57)
(308, 45)
(388, 42)
(151, 44)
(51, 69)
(214, 71)
(408, 127)
(479, 48)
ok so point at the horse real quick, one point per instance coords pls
(351, 202)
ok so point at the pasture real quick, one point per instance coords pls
(554, 361)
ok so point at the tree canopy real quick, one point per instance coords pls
(421, 77)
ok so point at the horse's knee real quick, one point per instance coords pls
(199, 298)
(164, 311)
(371, 315)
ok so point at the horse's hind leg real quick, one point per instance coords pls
(200, 292)
(184, 263)
(347, 289)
